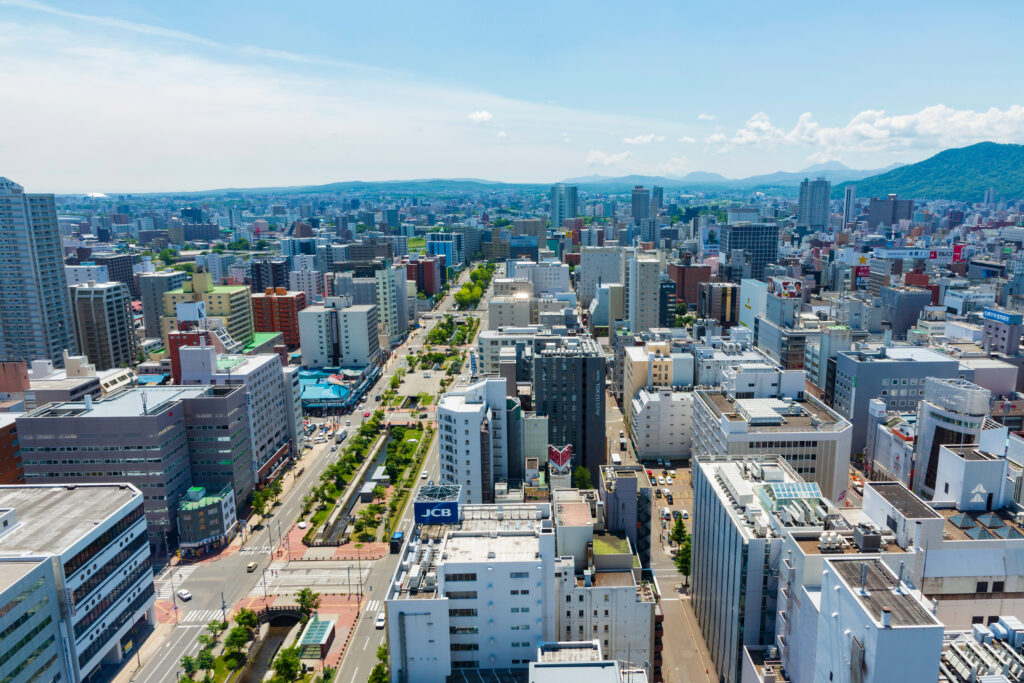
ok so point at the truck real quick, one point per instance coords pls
(340, 434)
(395, 546)
(616, 459)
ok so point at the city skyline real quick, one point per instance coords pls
(257, 99)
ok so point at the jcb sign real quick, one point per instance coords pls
(427, 512)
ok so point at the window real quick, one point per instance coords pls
(997, 586)
(982, 587)
(977, 620)
(460, 577)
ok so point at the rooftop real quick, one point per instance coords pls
(574, 514)
(980, 525)
(608, 543)
(774, 415)
(12, 572)
(877, 592)
(901, 498)
(130, 402)
(52, 518)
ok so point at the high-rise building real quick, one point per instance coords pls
(657, 199)
(392, 302)
(641, 204)
(103, 322)
(86, 272)
(599, 265)
(569, 387)
(890, 211)
(119, 269)
(812, 209)
(62, 616)
(951, 411)
(151, 291)
(564, 203)
(227, 306)
(643, 276)
(450, 245)
(760, 242)
(35, 310)
(849, 205)
(269, 273)
(277, 310)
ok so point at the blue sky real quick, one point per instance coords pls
(117, 96)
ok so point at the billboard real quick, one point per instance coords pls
(784, 287)
(1003, 316)
(560, 459)
(436, 512)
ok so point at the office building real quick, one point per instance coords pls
(152, 287)
(950, 411)
(35, 310)
(569, 387)
(1002, 331)
(358, 340)
(392, 303)
(428, 272)
(476, 427)
(309, 282)
(889, 212)
(77, 579)
(119, 269)
(277, 310)
(207, 520)
(145, 437)
(547, 277)
(661, 423)
(533, 338)
(901, 308)
(641, 205)
(626, 493)
(564, 204)
(86, 272)
(813, 205)
(643, 277)
(103, 323)
(657, 199)
(268, 273)
(534, 227)
(850, 212)
(449, 245)
(11, 471)
(813, 439)
(895, 374)
(758, 241)
(719, 301)
(599, 265)
(688, 278)
(226, 307)
(274, 414)
(476, 593)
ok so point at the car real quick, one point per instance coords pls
(684, 514)
(423, 474)
(657, 493)
(381, 619)
(348, 423)
(366, 414)
(676, 514)
(672, 473)
(661, 481)
(184, 594)
(650, 473)
(251, 567)
(622, 434)
(668, 498)
(302, 525)
(334, 448)
(668, 481)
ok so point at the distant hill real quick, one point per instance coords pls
(959, 174)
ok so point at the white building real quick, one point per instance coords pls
(357, 336)
(336, 335)
(599, 265)
(491, 342)
(643, 276)
(392, 303)
(77, 578)
(509, 311)
(274, 419)
(661, 423)
(309, 281)
(473, 437)
(80, 275)
(811, 437)
(548, 277)
(480, 594)
(318, 336)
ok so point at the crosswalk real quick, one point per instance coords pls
(163, 584)
(201, 616)
(373, 606)
(257, 550)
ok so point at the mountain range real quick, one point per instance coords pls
(834, 171)
(963, 174)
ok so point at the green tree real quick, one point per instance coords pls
(379, 492)
(188, 664)
(262, 244)
(308, 602)
(206, 661)
(236, 639)
(168, 255)
(247, 619)
(259, 503)
(379, 674)
(287, 664)
(215, 628)
(684, 557)
(678, 533)
(581, 478)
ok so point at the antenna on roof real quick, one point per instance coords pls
(863, 577)
(144, 409)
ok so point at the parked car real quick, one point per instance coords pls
(668, 481)
(184, 594)
(657, 493)
(661, 481)
(302, 525)
(381, 619)
(684, 514)
(366, 414)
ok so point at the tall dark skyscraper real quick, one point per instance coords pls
(849, 205)
(568, 387)
(269, 273)
(759, 240)
(812, 210)
(641, 204)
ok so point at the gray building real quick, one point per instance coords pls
(141, 436)
(564, 203)
(889, 211)
(641, 204)
(267, 273)
(119, 269)
(759, 241)
(151, 291)
(569, 387)
(812, 208)
(902, 306)
(103, 323)
(893, 374)
(35, 310)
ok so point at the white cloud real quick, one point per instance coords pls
(686, 139)
(644, 139)
(502, 135)
(706, 117)
(479, 116)
(598, 158)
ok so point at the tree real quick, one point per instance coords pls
(236, 640)
(678, 533)
(247, 619)
(581, 478)
(168, 255)
(188, 664)
(206, 661)
(684, 557)
(379, 492)
(287, 664)
(259, 503)
(308, 602)
(379, 674)
(215, 627)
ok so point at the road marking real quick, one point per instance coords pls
(204, 616)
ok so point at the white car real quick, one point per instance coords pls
(184, 594)
(668, 481)
(661, 481)
(685, 514)
(302, 525)
(381, 618)
(423, 474)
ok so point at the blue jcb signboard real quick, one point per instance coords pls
(433, 512)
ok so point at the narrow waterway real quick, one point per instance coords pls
(271, 644)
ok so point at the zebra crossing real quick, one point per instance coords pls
(163, 583)
(201, 616)
(373, 606)
(257, 550)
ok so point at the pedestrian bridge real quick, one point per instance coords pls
(280, 615)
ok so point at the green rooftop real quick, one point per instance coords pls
(207, 500)
(228, 362)
(610, 544)
(260, 339)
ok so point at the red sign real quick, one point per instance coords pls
(958, 253)
(863, 271)
(560, 457)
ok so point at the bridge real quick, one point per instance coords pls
(280, 615)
